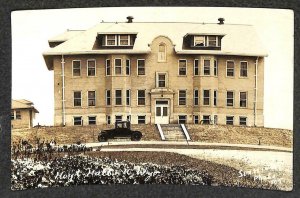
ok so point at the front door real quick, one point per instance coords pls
(162, 112)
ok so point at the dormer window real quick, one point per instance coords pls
(204, 42)
(124, 40)
(199, 41)
(111, 40)
(115, 41)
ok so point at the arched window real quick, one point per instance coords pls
(162, 55)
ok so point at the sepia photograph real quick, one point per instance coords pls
(152, 95)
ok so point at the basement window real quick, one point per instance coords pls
(77, 121)
(92, 120)
(108, 121)
(12, 115)
(118, 118)
(196, 119)
(182, 119)
(206, 119)
(229, 120)
(243, 121)
(141, 119)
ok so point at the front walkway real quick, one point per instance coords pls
(200, 144)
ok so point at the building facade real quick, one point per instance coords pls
(22, 114)
(158, 73)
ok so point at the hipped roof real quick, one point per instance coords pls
(23, 104)
(239, 39)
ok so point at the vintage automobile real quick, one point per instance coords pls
(121, 130)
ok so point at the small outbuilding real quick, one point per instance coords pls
(22, 114)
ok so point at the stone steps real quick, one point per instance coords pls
(173, 132)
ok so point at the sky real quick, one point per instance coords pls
(31, 30)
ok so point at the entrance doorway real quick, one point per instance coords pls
(162, 112)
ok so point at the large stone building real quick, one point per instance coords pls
(22, 114)
(158, 73)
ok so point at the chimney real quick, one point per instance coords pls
(129, 18)
(221, 21)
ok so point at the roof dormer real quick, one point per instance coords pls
(203, 41)
(116, 40)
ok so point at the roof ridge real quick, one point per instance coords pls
(200, 23)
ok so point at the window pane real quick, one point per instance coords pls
(206, 67)
(182, 67)
(229, 120)
(230, 68)
(158, 111)
(206, 119)
(92, 120)
(165, 111)
(199, 40)
(107, 67)
(244, 68)
(182, 119)
(141, 67)
(196, 67)
(212, 41)
(91, 68)
(76, 68)
(141, 119)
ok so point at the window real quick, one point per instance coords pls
(161, 80)
(182, 97)
(215, 68)
(12, 115)
(206, 67)
(118, 66)
(182, 119)
(206, 119)
(91, 98)
(77, 120)
(162, 53)
(196, 97)
(128, 97)
(196, 119)
(206, 97)
(243, 99)
(243, 121)
(108, 97)
(124, 40)
(91, 67)
(111, 40)
(18, 115)
(229, 120)
(77, 98)
(199, 41)
(141, 97)
(118, 97)
(128, 117)
(230, 99)
(244, 69)
(196, 67)
(212, 41)
(108, 121)
(230, 68)
(215, 97)
(141, 66)
(182, 67)
(107, 66)
(141, 119)
(92, 120)
(76, 68)
(118, 118)
(127, 67)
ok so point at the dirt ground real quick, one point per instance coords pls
(200, 133)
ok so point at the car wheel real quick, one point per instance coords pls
(102, 138)
(135, 136)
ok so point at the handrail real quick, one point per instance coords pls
(188, 138)
(160, 132)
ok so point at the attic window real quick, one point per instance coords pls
(199, 41)
(206, 41)
(124, 40)
(111, 40)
